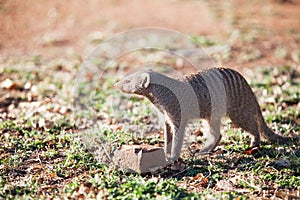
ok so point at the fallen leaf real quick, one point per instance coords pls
(118, 128)
(63, 110)
(27, 86)
(52, 174)
(42, 122)
(205, 181)
(251, 151)
(8, 84)
(199, 175)
(198, 132)
(282, 195)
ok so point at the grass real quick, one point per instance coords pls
(202, 41)
(46, 158)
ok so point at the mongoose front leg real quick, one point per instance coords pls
(177, 141)
(168, 138)
(213, 137)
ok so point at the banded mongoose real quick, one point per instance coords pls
(210, 95)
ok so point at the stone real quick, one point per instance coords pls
(140, 158)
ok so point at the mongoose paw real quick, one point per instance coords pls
(169, 161)
(176, 165)
(207, 149)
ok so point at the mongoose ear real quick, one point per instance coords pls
(145, 77)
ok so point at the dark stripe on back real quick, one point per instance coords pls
(230, 88)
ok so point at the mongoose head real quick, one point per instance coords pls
(134, 83)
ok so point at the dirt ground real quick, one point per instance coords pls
(42, 44)
(267, 29)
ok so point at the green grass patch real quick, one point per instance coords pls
(53, 161)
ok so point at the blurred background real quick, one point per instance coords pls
(257, 32)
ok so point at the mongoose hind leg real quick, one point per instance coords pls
(167, 138)
(213, 136)
(249, 124)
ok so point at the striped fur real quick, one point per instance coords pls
(209, 95)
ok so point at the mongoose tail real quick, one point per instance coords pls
(268, 134)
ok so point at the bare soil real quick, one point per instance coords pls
(62, 29)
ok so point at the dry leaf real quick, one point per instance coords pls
(251, 151)
(27, 86)
(63, 110)
(199, 175)
(118, 128)
(198, 132)
(42, 122)
(8, 84)
(205, 181)
(52, 174)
